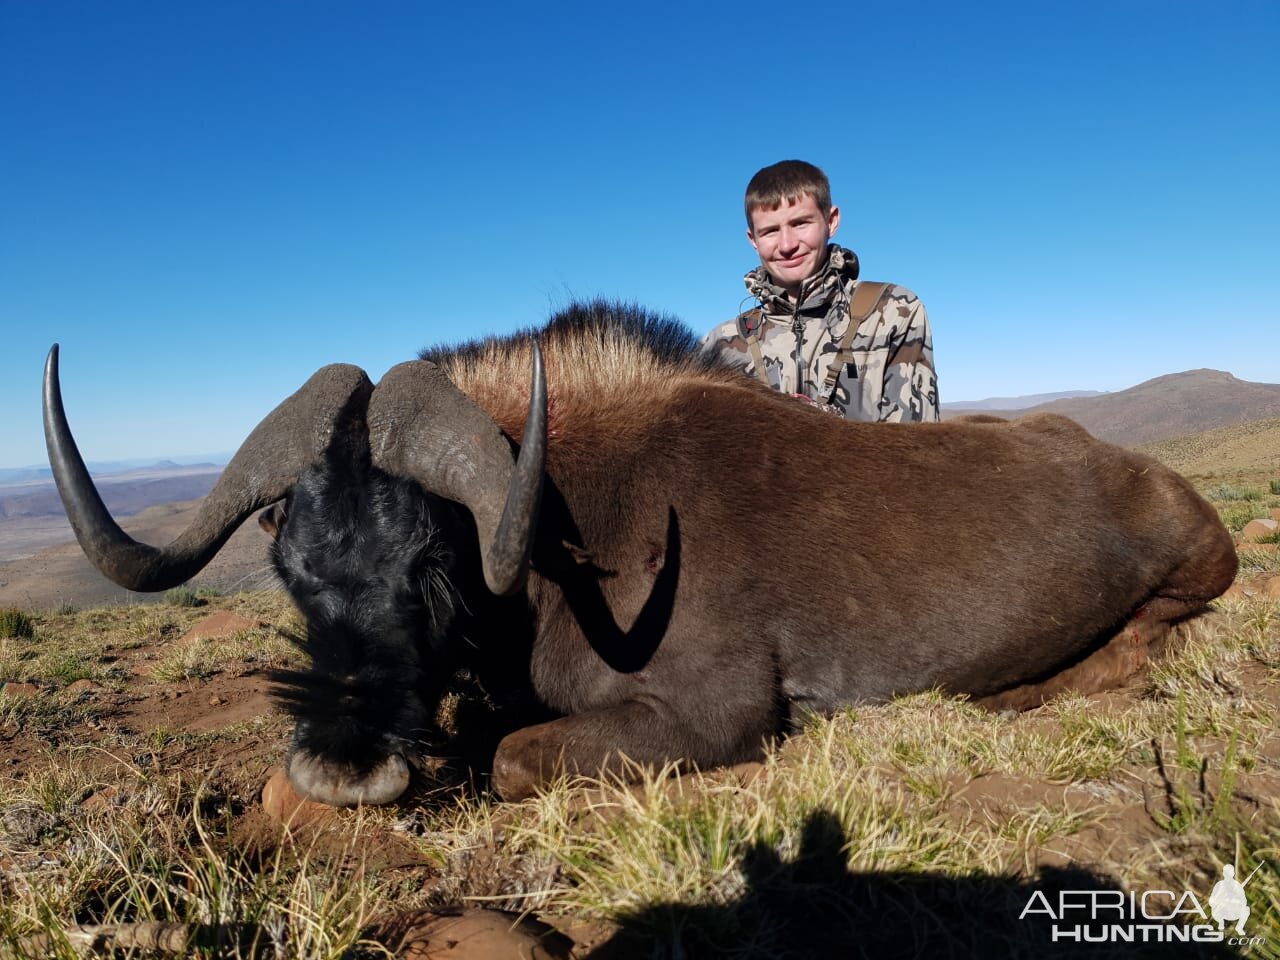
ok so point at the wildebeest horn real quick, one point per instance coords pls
(268, 463)
(422, 426)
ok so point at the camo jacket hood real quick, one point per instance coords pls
(888, 371)
(819, 293)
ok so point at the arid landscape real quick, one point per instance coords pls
(1175, 405)
(140, 811)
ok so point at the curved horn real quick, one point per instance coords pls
(268, 463)
(422, 426)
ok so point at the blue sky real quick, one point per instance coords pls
(204, 202)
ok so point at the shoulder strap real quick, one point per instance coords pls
(751, 335)
(865, 297)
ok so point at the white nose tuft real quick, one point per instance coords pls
(337, 786)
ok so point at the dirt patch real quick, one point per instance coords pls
(197, 707)
(472, 935)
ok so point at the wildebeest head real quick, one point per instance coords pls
(358, 477)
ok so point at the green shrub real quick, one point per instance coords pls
(1225, 491)
(15, 623)
(183, 596)
(1236, 517)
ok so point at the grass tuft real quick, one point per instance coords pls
(1237, 515)
(16, 624)
(183, 596)
(1225, 491)
(201, 660)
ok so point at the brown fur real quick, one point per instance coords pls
(812, 562)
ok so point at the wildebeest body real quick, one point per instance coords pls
(742, 558)
(710, 560)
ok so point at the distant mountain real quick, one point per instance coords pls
(1018, 403)
(102, 468)
(25, 474)
(1169, 406)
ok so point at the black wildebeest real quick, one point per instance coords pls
(678, 562)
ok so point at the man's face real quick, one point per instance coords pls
(792, 240)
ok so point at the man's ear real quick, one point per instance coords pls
(272, 519)
(833, 221)
(751, 239)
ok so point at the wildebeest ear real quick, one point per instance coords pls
(272, 519)
(581, 555)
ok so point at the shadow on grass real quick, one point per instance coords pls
(815, 907)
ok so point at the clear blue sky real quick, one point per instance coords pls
(204, 202)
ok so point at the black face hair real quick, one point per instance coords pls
(369, 561)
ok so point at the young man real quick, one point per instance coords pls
(852, 347)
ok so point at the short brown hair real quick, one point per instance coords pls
(787, 181)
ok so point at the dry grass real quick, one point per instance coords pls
(165, 856)
(1241, 448)
(926, 815)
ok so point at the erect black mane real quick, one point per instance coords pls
(668, 338)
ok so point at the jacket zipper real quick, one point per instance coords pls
(797, 327)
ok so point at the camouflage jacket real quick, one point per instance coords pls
(885, 372)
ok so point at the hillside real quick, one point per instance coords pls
(1170, 406)
(32, 518)
(124, 495)
(50, 577)
(1244, 447)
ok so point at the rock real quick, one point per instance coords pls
(216, 701)
(82, 686)
(102, 799)
(283, 804)
(1255, 530)
(25, 823)
(482, 935)
(1259, 547)
(20, 690)
(224, 623)
(1274, 513)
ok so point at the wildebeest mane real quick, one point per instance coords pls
(602, 358)
(666, 339)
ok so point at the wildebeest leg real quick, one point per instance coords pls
(1208, 571)
(597, 742)
(1113, 664)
